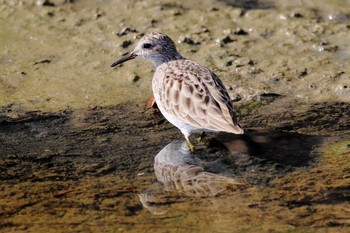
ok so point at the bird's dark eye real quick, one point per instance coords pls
(147, 45)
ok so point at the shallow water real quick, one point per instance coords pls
(78, 147)
(78, 171)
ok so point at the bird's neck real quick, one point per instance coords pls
(157, 61)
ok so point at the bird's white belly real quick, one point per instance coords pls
(178, 123)
(173, 119)
(183, 127)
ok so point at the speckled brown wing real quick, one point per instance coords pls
(197, 97)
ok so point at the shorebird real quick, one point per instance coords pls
(189, 95)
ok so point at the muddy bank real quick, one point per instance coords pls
(57, 56)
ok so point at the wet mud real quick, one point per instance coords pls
(93, 170)
(79, 152)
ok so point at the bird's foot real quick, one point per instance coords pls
(200, 138)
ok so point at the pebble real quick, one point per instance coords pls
(188, 40)
(125, 31)
(126, 43)
(269, 96)
(221, 42)
(243, 61)
(136, 78)
(240, 32)
(44, 3)
(296, 15)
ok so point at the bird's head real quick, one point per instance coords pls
(155, 47)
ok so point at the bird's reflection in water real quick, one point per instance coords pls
(181, 174)
(179, 170)
(259, 156)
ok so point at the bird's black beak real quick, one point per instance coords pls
(124, 58)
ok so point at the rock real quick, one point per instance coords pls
(136, 78)
(44, 3)
(322, 47)
(177, 13)
(274, 80)
(243, 61)
(98, 13)
(229, 63)
(296, 15)
(153, 22)
(236, 98)
(240, 32)
(47, 61)
(126, 43)
(221, 42)
(166, 6)
(188, 40)
(338, 17)
(269, 96)
(125, 31)
(302, 73)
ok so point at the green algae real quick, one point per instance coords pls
(246, 109)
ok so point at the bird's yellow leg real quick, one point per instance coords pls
(190, 145)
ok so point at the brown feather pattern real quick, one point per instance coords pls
(195, 96)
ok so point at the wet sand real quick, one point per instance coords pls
(78, 145)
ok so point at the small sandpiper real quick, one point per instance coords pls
(189, 95)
